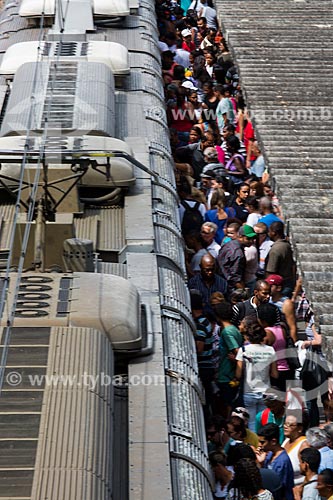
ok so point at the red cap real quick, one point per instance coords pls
(274, 279)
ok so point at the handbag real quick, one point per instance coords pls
(314, 371)
(292, 358)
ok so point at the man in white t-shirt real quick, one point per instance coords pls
(258, 363)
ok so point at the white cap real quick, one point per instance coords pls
(189, 85)
(186, 32)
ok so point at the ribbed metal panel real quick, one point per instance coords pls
(25, 35)
(168, 240)
(139, 104)
(12, 22)
(20, 408)
(162, 164)
(7, 215)
(189, 465)
(179, 339)
(64, 484)
(185, 413)
(79, 412)
(173, 290)
(120, 443)
(113, 268)
(86, 227)
(129, 39)
(166, 202)
(111, 236)
(9, 9)
(284, 51)
(189, 482)
(146, 64)
(146, 82)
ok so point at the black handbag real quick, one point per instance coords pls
(292, 355)
(314, 371)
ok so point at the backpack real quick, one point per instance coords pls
(192, 219)
(264, 416)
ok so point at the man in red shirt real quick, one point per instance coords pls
(187, 45)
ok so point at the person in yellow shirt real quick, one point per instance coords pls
(241, 415)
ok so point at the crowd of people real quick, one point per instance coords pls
(265, 434)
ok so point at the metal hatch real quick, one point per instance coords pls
(114, 55)
(72, 96)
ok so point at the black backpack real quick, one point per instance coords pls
(192, 219)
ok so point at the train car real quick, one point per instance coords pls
(100, 393)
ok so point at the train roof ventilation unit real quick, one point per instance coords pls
(105, 8)
(113, 54)
(72, 96)
(107, 303)
(118, 172)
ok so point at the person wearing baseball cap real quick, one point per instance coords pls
(232, 259)
(188, 44)
(247, 231)
(275, 279)
(285, 305)
(251, 257)
(275, 412)
(241, 414)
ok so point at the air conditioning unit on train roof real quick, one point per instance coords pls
(105, 8)
(113, 54)
(74, 97)
(95, 149)
(105, 302)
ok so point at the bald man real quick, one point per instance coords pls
(207, 281)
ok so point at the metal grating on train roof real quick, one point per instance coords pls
(179, 346)
(7, 215)
(86, 227)
(189, 466)
(120, 436)
(129, 39)
(284, 52)
(146, 63)
(168, 240)
(25, 35)
(139, 80)
(135, 104)
(21, 408)
(113, 268)
(173, 290)
(81, 412)
(165, 201)
(111, 237)
(185, 416)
